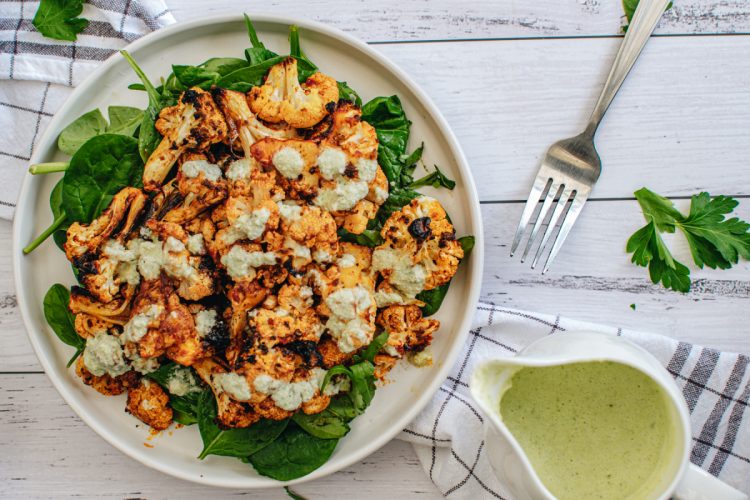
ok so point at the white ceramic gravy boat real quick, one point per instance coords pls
(681, 479)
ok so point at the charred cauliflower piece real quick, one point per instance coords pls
(200, 184)
(243, 124)
(115, 312)
(304, 106)
(309, 232)
(420, 252)
(294, 161)
(354, 264)
(106, 384)
(282, 98)
(194, 123)
(114, 223)
(230, 413)
(408, 331)
(150, 404)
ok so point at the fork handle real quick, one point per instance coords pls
(644, 21)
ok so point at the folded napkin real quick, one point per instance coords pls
(448, 434)
(53, 66)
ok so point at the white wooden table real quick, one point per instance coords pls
(511, 76)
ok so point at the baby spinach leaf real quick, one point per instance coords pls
(362, 377)
(467, 244)
(59, 19)
(433, 299)
(123, 120)
(349, 94)
(387, 115)
(184, 408)
(323, 425)
(305, 68)
(59, 224)
(436, 179)
(369, 237)
(258, 55)
(100, 168)
(223, 65)
(238, 443)
(148, 136)
(342, 406)
(195, 76)
(369, 353)
(294, 454)
(81, 130)
(252, 35)
(244, 79)
(61, 320)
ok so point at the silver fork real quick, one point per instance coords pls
(572, 166)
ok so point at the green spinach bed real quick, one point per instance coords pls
(108, 154)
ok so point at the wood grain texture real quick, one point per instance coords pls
(681, 117)
(413, 20)
(679, 126)
(49, 452)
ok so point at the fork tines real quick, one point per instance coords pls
(568, 197)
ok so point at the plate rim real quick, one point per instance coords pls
(474, 271)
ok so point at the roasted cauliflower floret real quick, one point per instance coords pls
(230, 413)
(114, 223)
(150, 404)
(247, 219)
(292, 320)
(354, 263)
(282, 98)
(351, 318)
(200, 184)
(88, 326)
(304, 106)
(266, 100)
(106, 384)
(243, 124)
(194, 123)
(294, 161)
(420, 252)
(408, 331)
(115, 312)
(308, 232)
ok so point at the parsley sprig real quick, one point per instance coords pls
(714, 240)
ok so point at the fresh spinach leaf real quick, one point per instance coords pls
(195, 76)
(238, 443)
(100, 168)
(362, 377)
(252, 35)
(467, 244)
(436, 179)
(61, 320)
(387, 115)
(184, 408)
(305, 68)
(81, 130)
(433, 299)
(148, 136)
(294, 454)
(369, 353)
(60, 222)
(369, 237)
(244, 79)
(123, 120)
(349, 94)
(323, 425)
(60, 234)
(223, 65)
(59, 19)
(342, 406)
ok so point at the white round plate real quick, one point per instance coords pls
(339, 55)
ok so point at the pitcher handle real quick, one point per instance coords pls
(700, 485)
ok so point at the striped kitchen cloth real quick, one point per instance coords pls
(448, 434)
(37, 72)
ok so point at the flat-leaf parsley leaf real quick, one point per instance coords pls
(714, 241)
(59, 19)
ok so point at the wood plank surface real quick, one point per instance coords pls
(529, 76)
(48, 452)
(414, 20)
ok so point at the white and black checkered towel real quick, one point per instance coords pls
(38, 72)
(448, 437)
